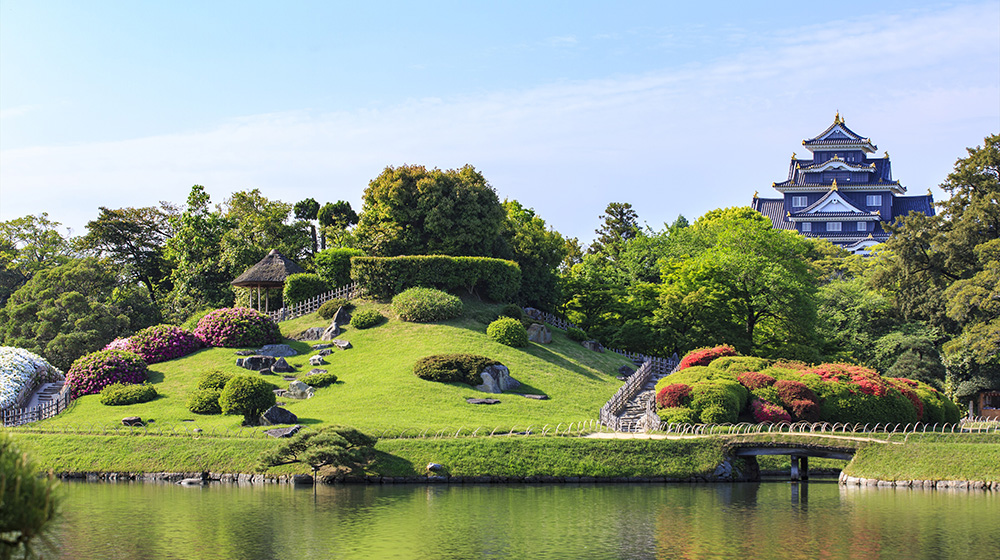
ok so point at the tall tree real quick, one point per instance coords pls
(308, 210)
(620, 224)
(538, 250)
(416, 211)
(335, 218)
(259, 225)
(28, 245)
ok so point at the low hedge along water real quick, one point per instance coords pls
(453, 368)
(118, 394)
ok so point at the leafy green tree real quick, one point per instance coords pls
(30, 502)
(247, 395)
(133, 239)
(73, 309)
(620, 223)
(28, 245)
(574, 255)
(308, 210)
(852, 317)
(260, 225)
(335, 219)
(410, 210)
(538, 250)
(338, 446)
(913, 356)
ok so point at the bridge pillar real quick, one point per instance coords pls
(804, 468)
(795, 467)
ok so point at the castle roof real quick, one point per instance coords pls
(837, 135)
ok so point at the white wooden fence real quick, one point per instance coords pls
(17, 416)
(310, 305)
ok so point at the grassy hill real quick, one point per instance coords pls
(376, 389)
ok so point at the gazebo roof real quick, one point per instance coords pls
(270, 272)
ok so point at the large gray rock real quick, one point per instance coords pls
(316, 360)
(592, 345)
(331, 332)
(314, 333)
(132, 421)
(342, 317)
(497, 379)
(277, 351)
(278, 415)
(283, 432)
(299, 390)
(281, 366)
(539, 333)
(625, 371)
(256, 363)
(342, 344)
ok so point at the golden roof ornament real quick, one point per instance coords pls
(836, 118)
(833, 187)
(870, 236)
(793, 155)
(755, 193)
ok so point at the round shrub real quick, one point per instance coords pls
(790, 391)
(804, 410)
(728, 395)
(576, 334)
(205, 401)
(118, 394)
(754, 380)
(330, 307)
(705, 356)
(453, 368)
(366, 319)
(506, 330)
(247, 395)
(425, 305)
(92, 372)
(717, 414)
(214, 379)
(235, 327)
(162, 343)
(513, 311)
(764, 411)
(120, 344)
(739, 364)
(674, 396)
(320, 379)
(678, 415)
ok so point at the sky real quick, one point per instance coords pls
(674, 107)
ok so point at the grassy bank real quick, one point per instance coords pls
(927, 461)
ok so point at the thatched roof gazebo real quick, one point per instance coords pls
(270, 272)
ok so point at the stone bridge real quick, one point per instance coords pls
(798, 452)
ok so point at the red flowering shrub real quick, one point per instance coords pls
(753, 380)
(92, 372)
(764, 411)
(790, 391)
(234, 327)
(907, 386)
(704, 356)
(673, 396)
(163, 342)
(807, 411)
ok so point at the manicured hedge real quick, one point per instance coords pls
(235, 327)
(330, 307)
(247, 395)
(320, 379)
(205, 401)
(508, 331)
(118, 394)
(705, 356)
(426, 305)
(366, 319)
(334, 265)
(384, 277)
(214, 379)
(456, 368)
(92, 372)
(302, 286)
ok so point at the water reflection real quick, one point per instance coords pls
(751, 520)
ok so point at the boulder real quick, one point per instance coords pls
(482, 401)
(342, 317)
(497, 379)
(283, 432)
(625, 371)
(325, 352)
(316, 360)
(539, 333)
(256, 362)
(132, 421)
(299, 390)
(314, 371)
(281, 366)
(592, 345)
(342, 344)
(434, 467)
(245, 352)
(277, 351)
(278, 415)
(314, 333)
(322, 346)
(331, 332)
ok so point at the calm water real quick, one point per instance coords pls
(767, 520)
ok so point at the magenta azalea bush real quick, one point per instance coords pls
(120, 344)
(92, 372)
(764, 411)
(162, 343)
(235, 327)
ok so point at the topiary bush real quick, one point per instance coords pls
(576, 334)
(320, 379)
(163, 342)
(673, 396)
(453, 368)
(790, 391)
(118, 394)
(508, 331)
(330, 307)
(718, 414)
(426, 305)
(366, 319)
(764, 411)
(214, 379)
(739, 364)
(705, 356)
(92, 372)
(302, 286)
(754, 380)
(513, 311)
(680, 415)
(205, 401)
(247, 395)
(235, 327)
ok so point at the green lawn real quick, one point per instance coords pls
(377, 390)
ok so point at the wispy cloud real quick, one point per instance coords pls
(670, 142)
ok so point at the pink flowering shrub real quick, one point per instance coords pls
(235, 327)
(120, 344)
(162, 343)
(92, 372)
(704, 356)
(753, 380)
(764, 411)
(673, 396)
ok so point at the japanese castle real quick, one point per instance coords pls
(841, 194)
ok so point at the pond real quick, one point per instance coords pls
(817, 519)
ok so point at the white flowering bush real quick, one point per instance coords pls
(18, 368)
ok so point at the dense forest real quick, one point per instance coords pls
(925, 305)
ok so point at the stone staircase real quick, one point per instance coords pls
(636, 407)
(46, 393)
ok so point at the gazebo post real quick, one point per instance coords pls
(269, 273)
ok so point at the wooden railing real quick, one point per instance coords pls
(310, 305)
(18, 416)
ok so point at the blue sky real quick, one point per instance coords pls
(677, 108)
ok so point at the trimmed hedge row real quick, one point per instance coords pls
(384, 277)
